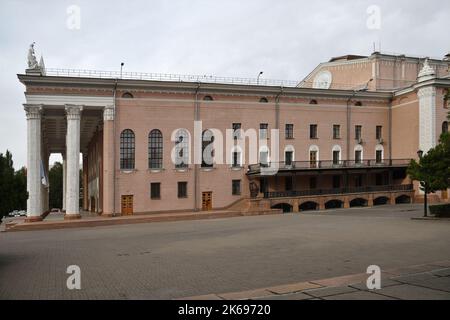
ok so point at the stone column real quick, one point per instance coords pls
(108, 161)
(64, 182)
(73, 113)
(85, 183)
(34, 202)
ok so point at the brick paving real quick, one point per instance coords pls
(213, 258)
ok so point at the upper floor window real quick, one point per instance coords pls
(444, 126)
(236, 161)
(358, 104)
(207, 149)
(289, 131)
(336, 131)
(313, 101)
(208, 98)
(155, 149)
(358, 132)
(127, 95)
(263, 128)
(237, 130)
(236, 187)
(313, 131)
(263, 100)
(181, 149)
(155, 191)
(379, 133)
(182, 189)
(127, 149)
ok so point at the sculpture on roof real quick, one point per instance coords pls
(32, 61)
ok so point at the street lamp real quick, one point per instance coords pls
(425, 188)
(121, 67)
(259, 75)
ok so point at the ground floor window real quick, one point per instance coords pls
(313, 183)
(182, 189)
(336, 182)
(288, 183)
(155, 190)
(236, 187)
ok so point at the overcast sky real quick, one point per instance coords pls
(285, 39)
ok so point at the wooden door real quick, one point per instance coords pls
(127, 205)
(313, 159)
(206, 201)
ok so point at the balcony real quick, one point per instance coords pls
(338, 191)
(255, 169)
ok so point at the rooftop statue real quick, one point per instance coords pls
(32, 61)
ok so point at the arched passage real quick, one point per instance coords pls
(333, 204)
(286, 207)
(358, 202)
(403, 199)
(380, 201)
(308, 206)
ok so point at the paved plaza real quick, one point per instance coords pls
(225, 257)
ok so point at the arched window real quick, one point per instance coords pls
(313, 156)
(207, 149)
(127, 95)
(263, 100)
(127, 149)
(207, 98)
(181, 149)
(313, 101)
(359, 154)
(379, 154)
(289, 155)
(155, 149)
(358, 104)
(444, 126)
(336, 155)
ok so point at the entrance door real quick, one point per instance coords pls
(127, 205)
(206, 201)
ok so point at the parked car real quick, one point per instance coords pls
(22, 213)
(14, 213)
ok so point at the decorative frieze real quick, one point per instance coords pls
(427, 118)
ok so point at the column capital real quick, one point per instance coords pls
(73, 112)
(108, 113)
(33, 111)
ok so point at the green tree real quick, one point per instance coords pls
(55, 177)
(13, 186)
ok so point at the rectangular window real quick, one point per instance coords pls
(264, 158)
(263, 128)
(182, 189)
(236, 163)
(313, 159)
(379, 156)
(313, 183)
(336, 182)
(236, 131)
(263, 185)
(289, 131)
(358, 157)
(313, 131)
(236, 187)
(336, 131)
(379, 133)
(288, 157)
(358, 132)
(288, 184)
(155, 190)
(336, 156)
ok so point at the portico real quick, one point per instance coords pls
(66, 125)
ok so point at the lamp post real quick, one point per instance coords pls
(259, 75)
(425, 188)
(121, 67)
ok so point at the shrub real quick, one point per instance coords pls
(441, 210)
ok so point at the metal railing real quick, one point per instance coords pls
(346, 190)
(80, 73)
(330, 164)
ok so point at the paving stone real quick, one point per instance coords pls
(295, 287)
(329, 291)
(342, 281)
(292, 296)
(384, 284)
(444, 263)
(242, 295)
(203, 297)
(411, 270)
(412, 292)
(438, 283)
(441, 272)
(358, 295)
(414, 278)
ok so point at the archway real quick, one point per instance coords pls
(403, 199)
(334, 204)
(358, 202)
(309, 206)
(286, 207)
(380, 201)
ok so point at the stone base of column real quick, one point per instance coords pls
(107, 215)
(72, 216)
(33, 219)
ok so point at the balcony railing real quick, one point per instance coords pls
(318, 192)
(329, 164)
